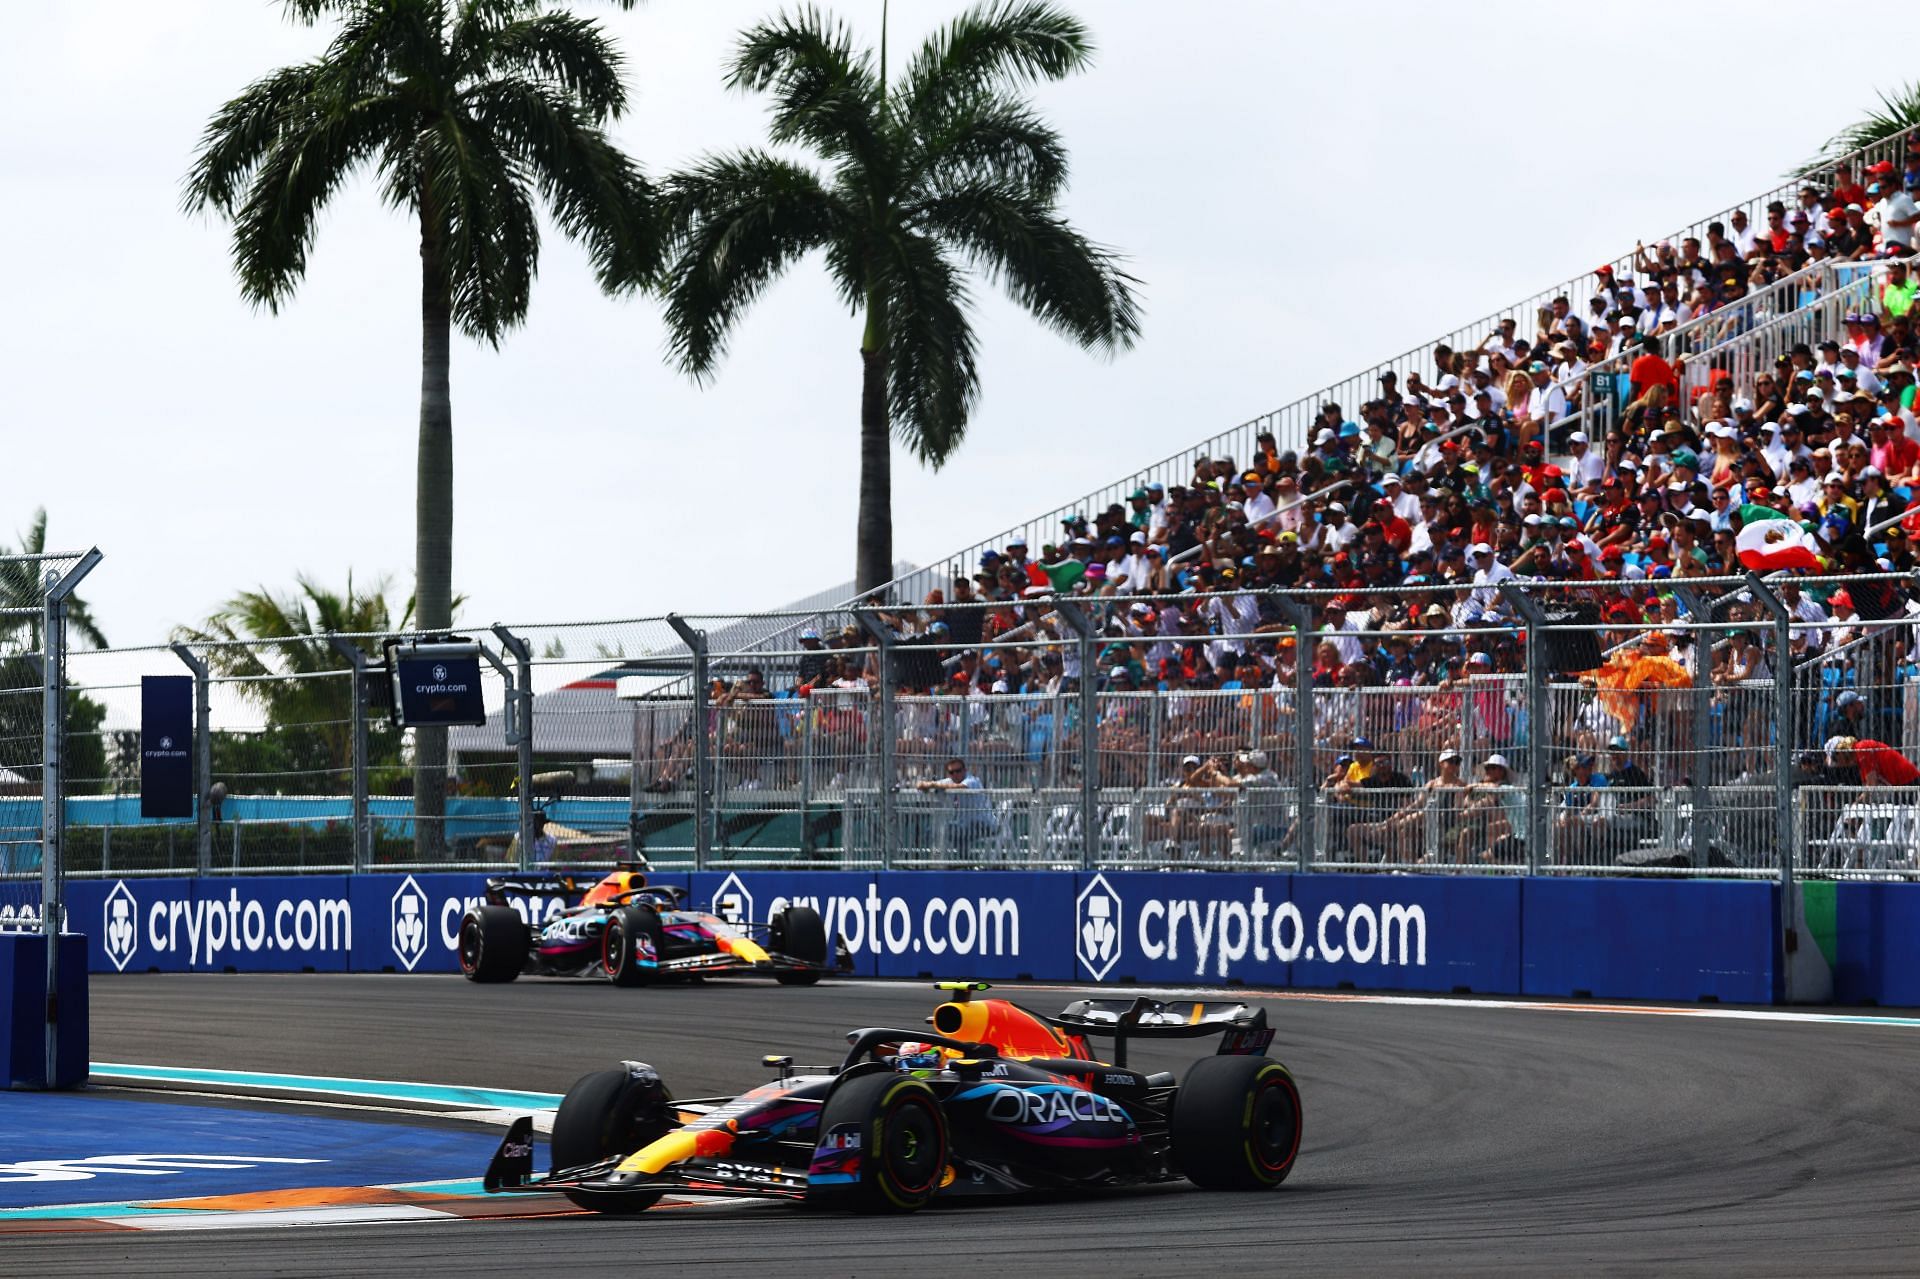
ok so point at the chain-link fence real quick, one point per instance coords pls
(1595, 727)
(45, 733)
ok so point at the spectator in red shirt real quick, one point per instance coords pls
(1650, 369)
(1879, 763)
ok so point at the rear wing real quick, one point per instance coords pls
(575, 887)
(1243, 1031)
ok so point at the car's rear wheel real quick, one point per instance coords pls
(609, 1113)
(799, 933)
(632, 944)
(493, 944)
(1236, 1123)
(903, 1143)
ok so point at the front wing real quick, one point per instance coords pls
(511, 1172)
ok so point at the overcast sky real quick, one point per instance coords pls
(1303, 189)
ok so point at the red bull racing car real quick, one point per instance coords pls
(635, 934)
(998, 1100)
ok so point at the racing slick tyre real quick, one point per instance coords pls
(605, 1113)
(493, 944)
(798, 933)
(1236, 1124)
(902, 1153)
(634, 934)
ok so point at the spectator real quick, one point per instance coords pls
(971, 818)
(1879, 763)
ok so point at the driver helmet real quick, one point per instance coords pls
(914, 1057)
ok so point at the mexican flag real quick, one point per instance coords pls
(1063, 575)
(1770, 540)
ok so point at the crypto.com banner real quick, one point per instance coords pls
(1380, 932)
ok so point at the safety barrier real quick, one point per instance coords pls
(1666, 939)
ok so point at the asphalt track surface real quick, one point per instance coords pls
(1454, 1138)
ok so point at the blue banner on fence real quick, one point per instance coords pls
(166, 745)
(1877, 944)
(1639, 939)
(1651, 939)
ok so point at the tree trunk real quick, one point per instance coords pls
(873, 554)
(433, 527)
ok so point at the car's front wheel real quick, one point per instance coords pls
(799, 933)
(609, 1112)
(493, 944)
(631, 945)
(900, 1155)
(1236, 1123)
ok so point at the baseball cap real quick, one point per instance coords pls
(1848, 698)
(1495, 760)
(1191, 759)
(1480, 548)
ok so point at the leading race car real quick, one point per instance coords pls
(999, 1100)
(636, 933)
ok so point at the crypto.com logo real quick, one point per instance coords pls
(1096, 928)
(121, 935)
(439, 674)
(409, 923)
(731, 901)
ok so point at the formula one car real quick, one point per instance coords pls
(635, 933)
(999, 1100)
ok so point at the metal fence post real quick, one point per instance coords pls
(696, 642)
(1700, 610)
(1537, 714)
(362, 824)
(53, 788)
(202, 758)
(519, 725)
(883, 639)
(1307, 789)
(1089, 738)
(1784, 730)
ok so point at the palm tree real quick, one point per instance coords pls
(950, 167)
(1899, 111)
(22, 593)
(278, 649)
(463, 110)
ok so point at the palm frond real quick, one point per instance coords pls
(1899, 111)
(598, 197)
(989, 135)
(480, 200)
(932, 378)
(243, 132)
(824, 94)
(319, 145)
(1063, 279)
(1013, 40)
(570, 53)
(738, 222)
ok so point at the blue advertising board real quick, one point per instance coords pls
(166, 746)
(1608, 938)
(1651, 939)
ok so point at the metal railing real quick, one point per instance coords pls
(1074, 754)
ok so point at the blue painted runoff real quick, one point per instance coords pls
(76, 1148)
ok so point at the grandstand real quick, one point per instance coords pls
(1613, 442)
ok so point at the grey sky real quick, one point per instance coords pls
(1303, 188)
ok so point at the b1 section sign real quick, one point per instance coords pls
(436, 683)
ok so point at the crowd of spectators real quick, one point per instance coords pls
(1402, 516)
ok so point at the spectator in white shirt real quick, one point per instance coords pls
(1588, 467)
(1547, 404)
(1741, 232)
